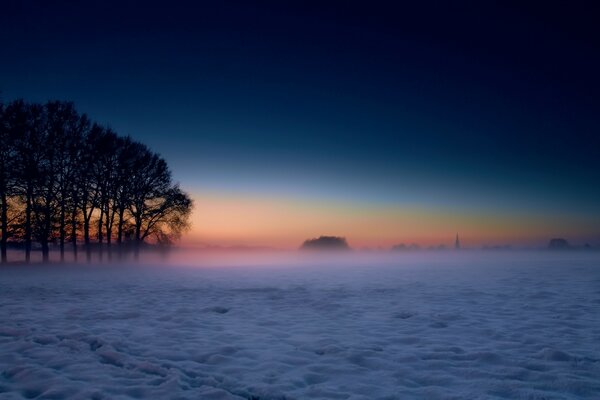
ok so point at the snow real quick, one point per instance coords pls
(474, 326)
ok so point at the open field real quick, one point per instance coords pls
(492, 326)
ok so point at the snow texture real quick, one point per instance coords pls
(475, 327)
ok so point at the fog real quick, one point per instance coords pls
(311, 260)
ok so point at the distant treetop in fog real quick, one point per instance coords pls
(403, 247)
(558, 243)
(325, 243)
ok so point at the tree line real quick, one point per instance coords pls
(69, 181)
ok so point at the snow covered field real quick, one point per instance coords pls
(438, 326)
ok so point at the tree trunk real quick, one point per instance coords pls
(28, 208)
(45, 251)
(138, 239)
(100, 219)
(120, 231)
(86, 235)
(109, 245)
(47, 230)
(63, 230)
(74, 232)
(4, 222)
(109, 225)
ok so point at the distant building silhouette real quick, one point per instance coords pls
(457, 243)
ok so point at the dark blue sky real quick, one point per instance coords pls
(466, 106)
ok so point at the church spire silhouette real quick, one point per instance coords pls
(457, 243)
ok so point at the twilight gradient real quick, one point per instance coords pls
(381, 123)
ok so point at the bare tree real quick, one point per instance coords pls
(104, 171)
(168, 217)
(26, 123)
(7, 157)
(69, 127)
(87, 185)
(126, 162)
(159, 209)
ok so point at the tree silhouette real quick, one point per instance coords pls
(325, 243)
(7, 156)
(64, 178)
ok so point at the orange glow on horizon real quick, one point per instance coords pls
(248, 220)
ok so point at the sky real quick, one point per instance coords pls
(384, 122)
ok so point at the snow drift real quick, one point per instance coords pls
(421, 327)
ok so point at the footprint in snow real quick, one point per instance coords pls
(219, 310)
